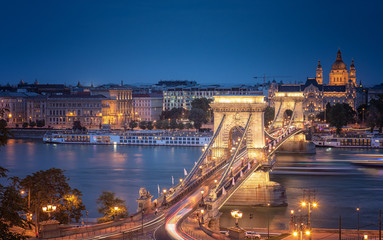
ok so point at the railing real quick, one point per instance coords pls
(204, 154)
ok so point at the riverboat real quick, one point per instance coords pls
(350, 141)
(145, 137)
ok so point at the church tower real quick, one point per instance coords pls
(319, 75)
(352, 73)
(339, 74)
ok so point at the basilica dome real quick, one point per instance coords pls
(339, 64)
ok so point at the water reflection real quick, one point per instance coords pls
(340, 187)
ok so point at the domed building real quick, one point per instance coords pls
(339, 74)
(341, 88)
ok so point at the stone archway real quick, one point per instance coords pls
(237, 111)
(288, 101)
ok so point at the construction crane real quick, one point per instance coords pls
(264, 77)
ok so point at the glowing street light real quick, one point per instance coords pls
(49, 209)
(237, 214)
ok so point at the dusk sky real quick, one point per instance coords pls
(223, 42)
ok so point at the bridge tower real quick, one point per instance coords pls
(284, 101)
(238, 111)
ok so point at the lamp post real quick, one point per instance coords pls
(268, 221)
(115, 212)
(29, 215)
(202, 201)
(237, 214)
(202, 212)
(49, 209)
(357, 221)
(309, 204)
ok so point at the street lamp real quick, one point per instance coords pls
(115, 212)
(49, 209)
(202, 192)
(357, 211)
(268, 221)
(202, 212)
(237, 214)
(309, 204)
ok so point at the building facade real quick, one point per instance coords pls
(182, 97)
(147, 107)
(342, 88)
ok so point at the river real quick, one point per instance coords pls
(124, 169)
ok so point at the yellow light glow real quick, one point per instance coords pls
(115, 208)
(181, 179)
(307, 233)
(164, 190)
(292, 211)
(303, 204)
(365, 236)
(202, 211)
(295, 234)
(44, 209)
(315, 204)
(237, 99)
(10, 115)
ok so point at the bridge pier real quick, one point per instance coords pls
(297, 144)
(258, 190)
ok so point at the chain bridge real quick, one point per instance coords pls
(240, 152)
(239, 148)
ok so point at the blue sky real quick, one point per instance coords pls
(226, 42)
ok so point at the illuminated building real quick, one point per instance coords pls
(341, 89)
(147, 107)
(182, 97)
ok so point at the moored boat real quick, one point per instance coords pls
(148, 137)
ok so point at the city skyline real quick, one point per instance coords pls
(208, 42)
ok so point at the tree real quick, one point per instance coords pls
(51, 187)
(320, 116)
(4, 132)
(150, 125)
(198, 116)
(133, 124)
(11, 205)
(110, 206)
(181, 126)
(77, 126)
(173, 124)
(165, 124)
(203, 104)
(71, 208)
(158, 124)
(32, 124)
(40, 123)
(340, 115)
(269, 115)
(188, 125)
(174, 113)
(143, 125)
